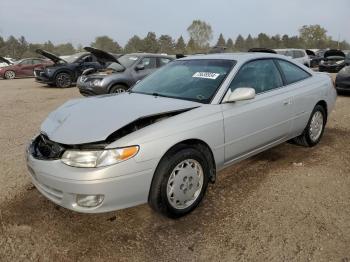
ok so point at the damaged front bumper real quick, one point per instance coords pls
(119, 186)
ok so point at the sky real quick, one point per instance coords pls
(80, 21)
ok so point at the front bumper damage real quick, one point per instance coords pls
(122, 185)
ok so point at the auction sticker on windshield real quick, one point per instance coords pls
(207, 75)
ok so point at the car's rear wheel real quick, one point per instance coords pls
(10, 74)
(118, 89)
(180, 182)
(314, 129)
(63, 80)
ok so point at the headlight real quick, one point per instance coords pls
(96, 82)
(49, 71)
(98, 158)
(339, 62)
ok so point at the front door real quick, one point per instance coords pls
(149, 66)
(257, 123)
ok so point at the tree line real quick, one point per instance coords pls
(200, 36)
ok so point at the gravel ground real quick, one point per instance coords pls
(287, 204)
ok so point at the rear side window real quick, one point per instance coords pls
(262, 75)
(292, 73)
(298, 54)
(37, 61)
(149, 62)
(163, 61)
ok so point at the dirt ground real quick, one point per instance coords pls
(287, 204)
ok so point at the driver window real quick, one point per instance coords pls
(262, 75)
(26, 62)
(149, 62)
(86, 59)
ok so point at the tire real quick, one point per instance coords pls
(63, 80)
(314, 130)
(118, 89)
(180, 182)
(10, 74)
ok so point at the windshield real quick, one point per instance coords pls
(128, 60)
(18, 62)
(116, 67)
(195, 80)
(72, 58)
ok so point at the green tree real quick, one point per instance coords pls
(180, 46)
(230, 45)
(240, 43)
(263, 40)
(107, 44)
(275, 41)
(11, 47)
(314, 36)
(166, 44)
(150, 43)
(65, 49)
(201, 33)
(192, 47)
(48, 46)
(285, 41)
(221, 41)
(249, 42)
(133, 45)
(22, 47)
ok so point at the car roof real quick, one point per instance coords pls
(234, 56)
(149, 54)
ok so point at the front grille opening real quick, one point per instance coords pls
(45, 149)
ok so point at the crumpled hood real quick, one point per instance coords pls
(89, 120)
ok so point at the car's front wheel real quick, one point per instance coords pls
(314, 129)
(10, 74)
(118, 89)
(63, 80)
(180, 182)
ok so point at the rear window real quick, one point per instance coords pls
(298, 54)
(292, 73)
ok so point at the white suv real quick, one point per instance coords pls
(298, 55)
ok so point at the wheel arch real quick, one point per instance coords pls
(64, 70)
(198, 144)
(323, 103)
(123, 83)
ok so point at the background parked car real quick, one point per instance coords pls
(334, 61)
(347, 59)
(6, 61)
(22, 68)
(65, 71)
(298, 55)
(122, 74)
(315, 57)
(342, 81)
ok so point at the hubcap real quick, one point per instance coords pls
(316, 126)
(185, 184)
(10, 74)
(119, 90)
(63, 80)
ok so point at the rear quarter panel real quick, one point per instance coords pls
(307, 94)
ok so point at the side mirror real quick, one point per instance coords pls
(239, 94)
(140, 67)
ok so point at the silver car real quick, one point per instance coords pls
(164, 140)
